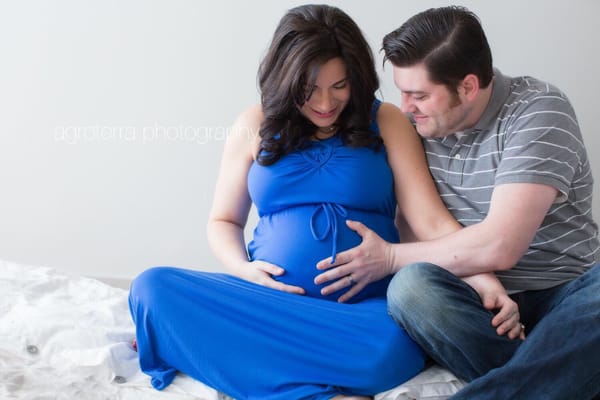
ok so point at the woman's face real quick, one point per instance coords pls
(326, 100)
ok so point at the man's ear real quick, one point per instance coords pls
(469, 87)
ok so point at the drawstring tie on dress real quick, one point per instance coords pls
(332, 211)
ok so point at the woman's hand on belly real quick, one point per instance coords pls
(262, 272)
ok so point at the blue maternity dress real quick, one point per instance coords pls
(253, 342)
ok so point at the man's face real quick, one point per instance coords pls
(437, 111)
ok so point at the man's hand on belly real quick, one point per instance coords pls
(357, 267)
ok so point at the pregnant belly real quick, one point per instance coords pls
(287, 240)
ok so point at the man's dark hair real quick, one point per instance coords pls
(449, 41)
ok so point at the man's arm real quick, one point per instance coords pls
(496, 243)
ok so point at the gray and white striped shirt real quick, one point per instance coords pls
(528, 134)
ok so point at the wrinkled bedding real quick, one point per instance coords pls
(69, 337)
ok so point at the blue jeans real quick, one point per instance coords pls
(559, 359)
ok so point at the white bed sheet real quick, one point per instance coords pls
(69, 337)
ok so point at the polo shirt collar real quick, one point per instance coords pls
(500, 92)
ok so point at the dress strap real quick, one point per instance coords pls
(374, 109)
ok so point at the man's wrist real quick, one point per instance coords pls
(391, 264)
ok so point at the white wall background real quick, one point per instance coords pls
(113, 113)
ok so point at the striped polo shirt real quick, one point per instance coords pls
(528, 134)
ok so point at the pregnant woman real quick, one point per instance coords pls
(319, 150)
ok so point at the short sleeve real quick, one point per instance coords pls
(542, 141)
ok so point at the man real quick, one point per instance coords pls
(509, 161)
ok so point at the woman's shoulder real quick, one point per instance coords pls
(389, 110)
(251, 118)
(390, 119)
(246, 128)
